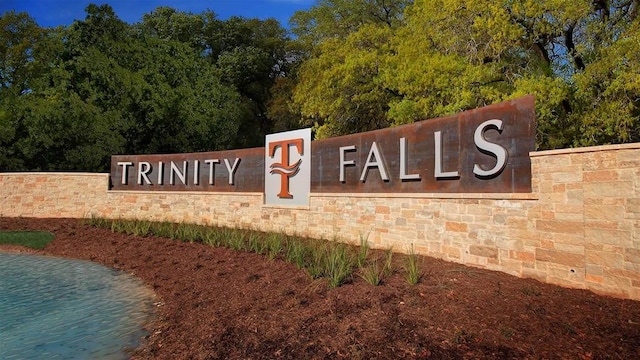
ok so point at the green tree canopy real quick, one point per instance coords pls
(440, 57)
(71, 97)
(338, 88)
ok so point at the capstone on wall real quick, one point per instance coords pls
(580, 226)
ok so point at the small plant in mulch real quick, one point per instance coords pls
(211, 237)
(387, 268)
(372, 273)
(461, 336)
(256, 244)
(236, 240)
(296, 252)
(162, 229)
(338, 264)
(411, 267)
(531, 291)
(188, 232)
(274, 245)
(507, 332)
(142, 228)
(363, 251)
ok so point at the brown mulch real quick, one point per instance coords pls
(216, 303)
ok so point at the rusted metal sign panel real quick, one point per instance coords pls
(438, 155)
(478, 151)
(233, 170)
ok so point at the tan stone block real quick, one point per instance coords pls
(567, 174)
(569, 208)
(551, 160)
(615, 280)
(559, 226)
(607, 236)
(548, 214)
(408, 214)
(561, 216)
(594, 269)
(513, 267)
(560, 257)
(483, 251)
(601, 175)
(622, 273)
(604, 259)
(574, 249)
(559, 188)
(504, 243)
(594, 279)
(619, 189)
(604, 212)
(547, 244)
(522, 255)
(517, 222)
(574, 186)
(606, 290)
(628, 158)
(632, 255)
(600, 160)
(633, 205)
(456, 226)
(573, 239)
(450, 251)
(604, 224)
(534, 274)
(383, 209)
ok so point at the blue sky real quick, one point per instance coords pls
(64, 12)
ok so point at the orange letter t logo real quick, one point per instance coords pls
(283, 168)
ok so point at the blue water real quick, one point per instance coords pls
(55, 308)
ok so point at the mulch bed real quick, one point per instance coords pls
(215, 303)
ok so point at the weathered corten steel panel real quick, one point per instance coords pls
(459, 153)
(470, 143)
(247, 177)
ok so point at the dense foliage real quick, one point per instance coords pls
(70, 97)
(581, 58)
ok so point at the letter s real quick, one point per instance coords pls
(485, 146)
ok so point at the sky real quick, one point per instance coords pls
(50, 13)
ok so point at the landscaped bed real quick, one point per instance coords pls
(218, 303)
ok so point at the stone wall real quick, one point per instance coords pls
(580, 226)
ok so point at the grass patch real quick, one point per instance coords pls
(387, 268)
(296, 252)
(363, 251)
(336, 262)
(411, 267)
(372, 274)
(32, 239)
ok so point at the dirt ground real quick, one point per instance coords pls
(215, 303)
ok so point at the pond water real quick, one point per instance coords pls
(56, 308)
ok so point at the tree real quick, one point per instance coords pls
(19, 35)
(106, 88)
(338, 91)
(338, 87)
(472, 53)
(608, 92)
(445, 56)
(252, 55)
(339, 18)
